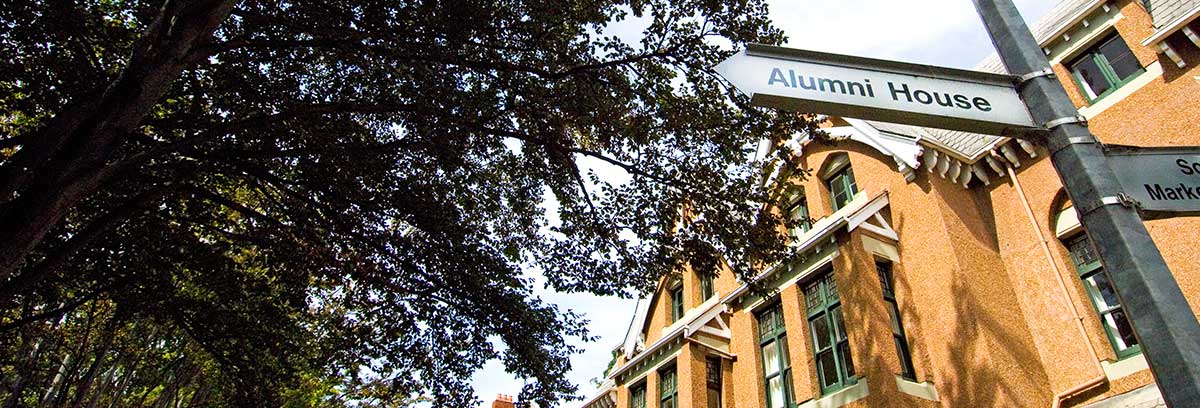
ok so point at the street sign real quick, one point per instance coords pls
(913, 94)
(1160, 179)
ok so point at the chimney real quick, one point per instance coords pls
(503, 401)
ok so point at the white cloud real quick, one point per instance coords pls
(940, 32)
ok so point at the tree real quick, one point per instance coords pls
(338, 199)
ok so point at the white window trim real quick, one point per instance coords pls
(924, 390)
(1124, 367)
(1153, 72)
(840, 397)
(1103, 28)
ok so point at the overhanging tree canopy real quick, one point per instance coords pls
(346, 192)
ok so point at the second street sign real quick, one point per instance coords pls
(1165, 181)
(921, 95)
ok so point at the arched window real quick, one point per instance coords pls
(839, 179)
(796, 210)
(1096, 282)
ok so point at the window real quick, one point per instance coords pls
(1104, 298)
(706, 286)
(668, 388)
(1104, 67)
(713, 380)
(841, 187)
(831, 347)
(637, 396)
(898, 337)
(777, 371)
(677, 303)
(797, 213)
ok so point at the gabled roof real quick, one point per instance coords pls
(1166, 12)
(1170, 16)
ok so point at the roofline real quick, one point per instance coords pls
(1079, 15)
(952, 152)
(602, 392)
(664, 340)
(1172, 27)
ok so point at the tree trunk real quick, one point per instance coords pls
(121, 389)
(57, 381)
(70, 158)
(85, 384)
(105, 385)
(23, 375)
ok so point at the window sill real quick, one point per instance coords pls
(840, 397)
(1095, 107)
(924, 390)
(1124, 367)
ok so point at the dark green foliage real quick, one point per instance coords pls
(219, 202)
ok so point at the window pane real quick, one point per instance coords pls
(1094, 83)
(775, 391)
(1118, 325)
(770, 359)
(1120, 58)
(851, 186)
(836, 314)
(885, 276)
(783, 352)
(667, 385)
(842, 187)
(770, 322)
(1102, 291)
(677, 304)
(812, 297)
(844, 355)
(712, 368)
(906, 369)
(821, 337)
(895, 315)
(706, 286)
(831, 289)
(827, 369)
(798, 212)
(1082, 251)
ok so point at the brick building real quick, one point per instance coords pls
(940, 268)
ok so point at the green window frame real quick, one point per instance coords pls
(777, 370)
(831, 345)
(842, 187)
(899, 338)
(707, 290)
(1104, 297)
(677, 303)
(668, 388)
(712, 380)
(797, 214)
(1104, 68)
(637, 396)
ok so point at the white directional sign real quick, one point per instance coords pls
(1162, 179)
(889, 91)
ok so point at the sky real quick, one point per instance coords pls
(936, 32)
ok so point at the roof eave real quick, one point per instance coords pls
(1172, 27)
(1079, 15)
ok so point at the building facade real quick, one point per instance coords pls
(940, 268)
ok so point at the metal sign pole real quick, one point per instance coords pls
(1164, 325)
